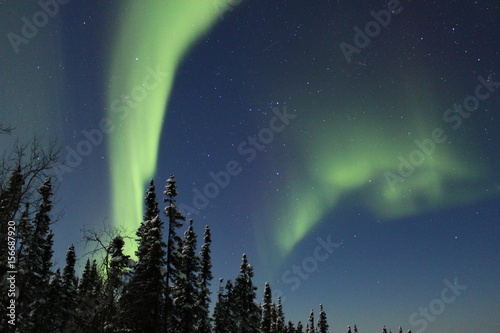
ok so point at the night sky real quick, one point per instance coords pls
(349, 148)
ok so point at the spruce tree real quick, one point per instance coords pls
(24, 236)
(322, 323)
(10, 199)
(300, 327)
(266, 320)
(69, 278)
(219, 313)
(186, 292)
(224, 318)
(89, 304)
(174, 245)
(96, 282)
(310, 325)
(84, 285)
(57, 311)
(151, 211)
(280, 319)
(36, 315)
(247, 312)
(274, 318)
(142, 301)
(82, 297)
(151, 203)
(40, 313)
(117, 272)
(232, 304)
(69, 290)
(204, 278)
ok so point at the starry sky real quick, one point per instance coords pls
(349, 148)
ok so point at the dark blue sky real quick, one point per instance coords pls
(326, 173)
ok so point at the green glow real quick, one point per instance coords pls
(350, 158)
(153, 36)
(311, 206)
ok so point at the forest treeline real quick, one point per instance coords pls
(164, 288)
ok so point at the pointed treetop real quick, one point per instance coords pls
(151, 202)
(311, 328)
(46, 186)
(171, 188)
(189, 233)
(244, 259)
(207, 237)
(69, 269)
(322, 322)
(245, 268)
(71, 249)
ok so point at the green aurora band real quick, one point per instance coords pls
(153, 37)
(348, 159)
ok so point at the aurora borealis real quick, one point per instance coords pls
(392, 156)
(141, 79)
(361, 157)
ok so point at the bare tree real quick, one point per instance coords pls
(34, 161)
(98, 243)
(106, 245)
